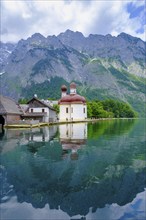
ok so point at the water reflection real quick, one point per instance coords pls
(43, 134)
(72, 138)
(110, 128)
(34, 138)
(2, 132)
(108, 168)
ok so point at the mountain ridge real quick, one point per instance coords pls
(102, 66)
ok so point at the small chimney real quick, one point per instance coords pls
(63, 90)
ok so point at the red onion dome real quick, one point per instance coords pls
(73, 85)
(72, 99)
(63, 88)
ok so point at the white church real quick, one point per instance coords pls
(72, 106)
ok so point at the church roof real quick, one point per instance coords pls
(63, 88)
(72, 98)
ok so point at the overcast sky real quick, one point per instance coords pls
(22, 18)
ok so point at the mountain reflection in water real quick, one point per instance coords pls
(77, 169)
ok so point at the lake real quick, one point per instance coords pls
(93, 170)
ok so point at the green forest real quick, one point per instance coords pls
(110, 109)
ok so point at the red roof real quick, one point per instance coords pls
(72, 99)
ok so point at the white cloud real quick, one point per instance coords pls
(138, 3)
(21, 19)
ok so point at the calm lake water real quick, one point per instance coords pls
(75, 171)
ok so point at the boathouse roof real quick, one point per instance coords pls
(9, 106)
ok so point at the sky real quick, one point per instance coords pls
(20, 19)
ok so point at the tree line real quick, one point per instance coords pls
(109, 109)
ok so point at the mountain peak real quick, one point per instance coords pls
(37, 36)
(128, 37)
(70, 33)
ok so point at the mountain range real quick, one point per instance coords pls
(102, 67)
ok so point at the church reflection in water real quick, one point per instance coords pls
(72, 138)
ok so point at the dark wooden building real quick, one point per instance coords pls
(9, 110)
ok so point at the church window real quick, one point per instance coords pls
(67, 133)
(66, 110)
(84, 110)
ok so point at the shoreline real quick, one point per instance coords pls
(15, 126)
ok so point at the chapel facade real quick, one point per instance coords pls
(72, 106)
